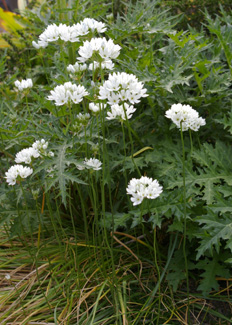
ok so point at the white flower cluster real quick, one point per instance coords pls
(107, 65)
(62, 94)
(144, 187)
(96, 107)
(25, 155)
(83, 118)
(107, 50)
(24, 84)
(121, 87)
(91, 163)
(68, 33)
(41, 146)
(185, 116)
(16, 172)
(77, 67)
(38, 147)
(122, 112)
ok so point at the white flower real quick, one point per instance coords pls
(94, 25)
(53, 33)
(40, 145)
(62, 94)
(95, 107)
(92, 163)
(83, 118)
(107, 50)
(185, 116)
(17, 171)
(108, 65)
(24, 84)
(77, 67)
(118, 111)
(121, 87)
(25, 155)
(64, 32)
(144, 187)
(39, 44)
(7, 276)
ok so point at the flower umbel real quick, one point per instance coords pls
(24, 84)
(120, 112)
(16, 172)
(62, 94)
(144, 187)
(106, 50)
(185, 116)
(68, 33)
(121, 87)
(92, 163)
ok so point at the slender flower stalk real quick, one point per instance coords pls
(185, 214)
(185, 118)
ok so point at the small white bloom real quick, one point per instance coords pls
(121, 87)
(92, 163)
(185, 117)
(25, 155)
(83, 118)
(107, 50)
(144, 187)
(77, 67)
(17, 171)
(53, 33)
(95, 107)
(122, 112)
(62, 94)
(7, 277)
(108, 65)
(40, 145)
(24, 84)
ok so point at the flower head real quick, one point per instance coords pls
(144, 187)
(121, 112)
(17, 172)
(106, 50)
(24, 84)
(26, 155)
(92, 163)
(77, 67)
(185, 117)
(62, 94)
(66, 33)
(96, 107)
(121, 87)
(106, 64)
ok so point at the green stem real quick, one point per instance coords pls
(191, 142)
(185, 214)
(125, 174)
(105, 171)
(131, 141)
(28, 106)
(61, 4)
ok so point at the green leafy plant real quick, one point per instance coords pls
(100, 257)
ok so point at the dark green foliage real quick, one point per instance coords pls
(193, 11)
